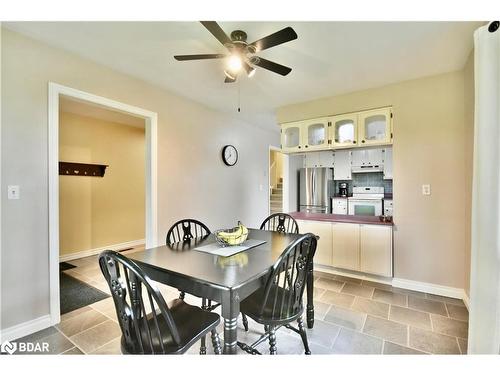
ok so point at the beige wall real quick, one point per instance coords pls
(98, 212)
(429, 148)
(192, 179)
(469, 151)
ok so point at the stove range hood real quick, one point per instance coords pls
(367, 168)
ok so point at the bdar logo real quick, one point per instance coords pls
(9, 347)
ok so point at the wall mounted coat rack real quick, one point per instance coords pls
(81, 169)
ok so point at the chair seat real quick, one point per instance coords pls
(192, 324)
(252, 305)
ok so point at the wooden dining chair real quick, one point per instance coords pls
(279, 302)
(186, 230)
(280, 222)
(148, 325)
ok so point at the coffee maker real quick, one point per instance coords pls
(343, 189)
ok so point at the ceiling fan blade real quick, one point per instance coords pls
(272, 66)
(285, 35)
(199, 57)
(229, 79)
(216, 31)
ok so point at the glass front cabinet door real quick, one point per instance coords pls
(375, 127)
(344, 131)
(315, 133)
(291, 135)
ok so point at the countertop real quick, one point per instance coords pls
(334, 218)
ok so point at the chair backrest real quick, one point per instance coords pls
(186, 229)
(135, 296)
(285, 287)
(280, 222)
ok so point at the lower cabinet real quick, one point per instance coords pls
(323, 253)
(358, 247)
(345, 246)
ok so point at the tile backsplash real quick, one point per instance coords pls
(366, 179)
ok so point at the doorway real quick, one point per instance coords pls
(59, 94)
(278, 181)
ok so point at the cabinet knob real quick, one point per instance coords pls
(363, 141)
(336, 140)
(306, 146)
(354, 142)
(299, 146)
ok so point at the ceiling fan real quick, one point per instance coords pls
(242, 54)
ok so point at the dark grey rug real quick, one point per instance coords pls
(76, 293)
(63, 266)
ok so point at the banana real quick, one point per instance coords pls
(238, 235)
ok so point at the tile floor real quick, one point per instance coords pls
(352, 317)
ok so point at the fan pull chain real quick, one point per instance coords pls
(239, 96)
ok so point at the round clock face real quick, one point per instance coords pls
(229, 155)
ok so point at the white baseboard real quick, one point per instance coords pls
(24, 329)
(419, 286)
(440, 290)
(466, 300)
(87, 253)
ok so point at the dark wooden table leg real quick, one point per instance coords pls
(310, 295)
(230, 310)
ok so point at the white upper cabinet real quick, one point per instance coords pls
(315, 134)
(342, 165)
(291, 137)
(344, 131)
(318, 159)
(375, 127)
(388, 163)
(372, 157)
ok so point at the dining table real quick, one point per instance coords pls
(227, 280)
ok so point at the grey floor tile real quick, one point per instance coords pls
(409, 292)
(73, 351)
(411, 317)
(391, 348)
(81, 322)
(390, 297)
(112, 347)
(329, 284)
(339, 299)
(352, 342)
(453, 301)
(457, 312)
(386, 329)
(371, 307)
(432, 342)
(34, 337)
(347, 279)
(320, 309)
(358, 290)
(323, 333)
(97, 336)
(74, 313)
(462, 343)
(319, 349)
(346, 318)
(57, 343)
(450, 327)
(427, 305)
(374, 284)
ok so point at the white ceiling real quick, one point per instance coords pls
(328, 58)
(82, 108)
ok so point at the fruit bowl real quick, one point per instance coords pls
(232, 237)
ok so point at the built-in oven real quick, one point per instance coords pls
(366, 201)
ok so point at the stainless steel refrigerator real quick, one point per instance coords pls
(313, 190)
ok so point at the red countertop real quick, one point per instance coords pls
(334, 218)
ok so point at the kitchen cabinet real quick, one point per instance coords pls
(388, 163)
(323, 253)
(344, 131)
(375, 127)
(357, 247)
(375, 249)
(318, 159)
(291, 137)
(372, 156)
(345, 246)
(339, 206)
(315, 134)
(342, 165)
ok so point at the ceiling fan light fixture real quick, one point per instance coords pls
(251, 72)
(234, 63)
(229, 75)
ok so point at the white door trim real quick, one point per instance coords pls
(285, 199)
(151, 120)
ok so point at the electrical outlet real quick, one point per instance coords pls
(13, 192)
(426, 189)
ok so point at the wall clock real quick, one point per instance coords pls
(229, 155)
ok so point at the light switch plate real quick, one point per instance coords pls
(426, 189)
(13, 192)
